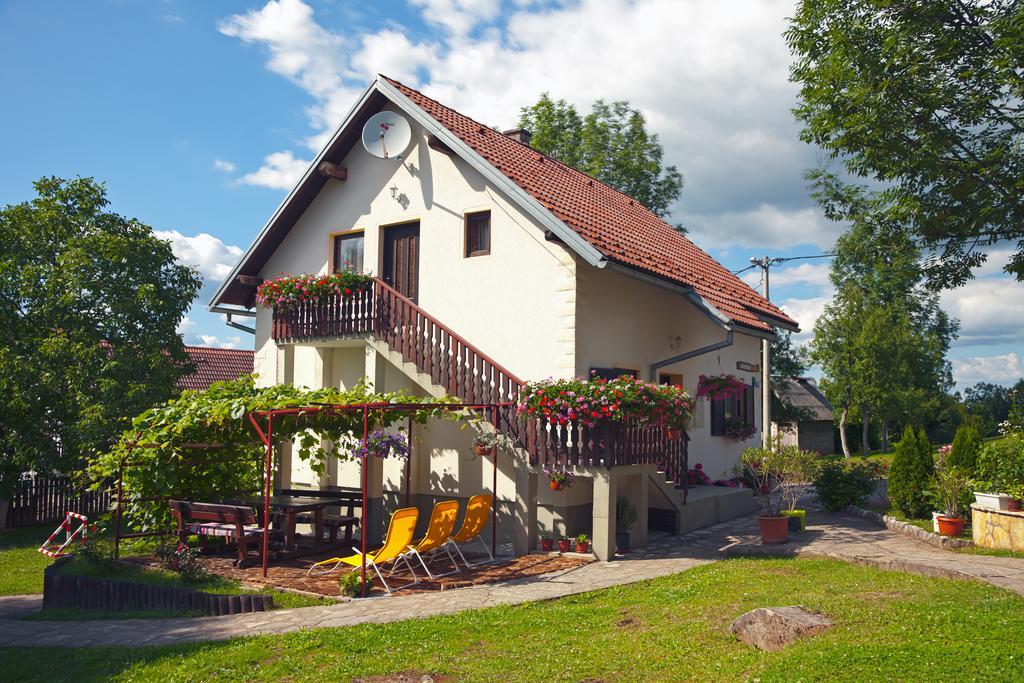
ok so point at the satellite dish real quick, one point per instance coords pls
(386, 135)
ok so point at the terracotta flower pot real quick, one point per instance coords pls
(773, 529)
(555, 486)
(564, 546)
(546, 544)
(582, 547)
(483, 450)
(1013, 505)
(674, 433)
(951, 526)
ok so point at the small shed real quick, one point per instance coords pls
(814, 431)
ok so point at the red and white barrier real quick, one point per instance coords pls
(65, 526)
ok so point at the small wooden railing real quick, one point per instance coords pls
(470, 374)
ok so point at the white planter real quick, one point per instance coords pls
(992, 501)
(935, 521)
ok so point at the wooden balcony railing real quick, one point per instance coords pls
(468, 373)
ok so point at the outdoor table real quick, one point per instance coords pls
(291, 506)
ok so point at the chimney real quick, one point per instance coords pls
(519, 135)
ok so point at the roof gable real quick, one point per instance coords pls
(595, 220)
(215, 365)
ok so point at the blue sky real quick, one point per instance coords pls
(198, 115)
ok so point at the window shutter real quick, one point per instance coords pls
(717, 417)
(748, 404)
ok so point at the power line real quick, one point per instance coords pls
(776, 260)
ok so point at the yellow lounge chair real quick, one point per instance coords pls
(400, 533)
(477, 511)
(439, 530)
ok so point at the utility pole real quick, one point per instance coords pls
(765, 263)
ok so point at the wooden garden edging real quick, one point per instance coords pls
(66, 591)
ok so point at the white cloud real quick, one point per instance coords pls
(991, 310)
(219, 342)
(806, 312)
(815, 274)
(186, 326)
(1004, 369)
(712, 79)
(212, 257)
(224, 166)
(280, 171)
(458, 16)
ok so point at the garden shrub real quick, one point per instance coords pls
(1001, 467)
(351, 583)
(966, 444)
(839, 484)
(911, 474)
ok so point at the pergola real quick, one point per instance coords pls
(263, 423)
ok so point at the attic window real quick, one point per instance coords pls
(478, 233)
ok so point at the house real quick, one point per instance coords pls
(814, 431)
(214, 365)
(508, 266)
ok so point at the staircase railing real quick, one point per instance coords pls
(467, 372)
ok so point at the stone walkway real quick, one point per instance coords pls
(838, 536)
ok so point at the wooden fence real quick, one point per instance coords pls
(48, 499)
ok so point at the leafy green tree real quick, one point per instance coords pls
(965, 448)
(882, 340)
(787, 360)
(911, 473)
(611, 143)
(925, 100)
(89, 303)
(990, 403)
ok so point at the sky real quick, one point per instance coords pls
(200, 115)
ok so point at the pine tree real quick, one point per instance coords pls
(911, 473)
(966, 445)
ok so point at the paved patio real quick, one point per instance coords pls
(837, 536)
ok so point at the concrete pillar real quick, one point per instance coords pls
(524, 536)
(605, 494)
(638, 534)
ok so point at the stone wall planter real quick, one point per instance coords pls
(893, 524)
(1000, 529)
(66, 591)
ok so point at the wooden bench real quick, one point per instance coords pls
(235, 523)
(347, 500)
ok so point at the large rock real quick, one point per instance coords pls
(773, 628)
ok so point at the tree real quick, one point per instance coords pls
(925, 100)
(882, 340)
(990, 404)
(787, 360)
(611, 144)
(965, 447)
(89, 303)
(911, 473)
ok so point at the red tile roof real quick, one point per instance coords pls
(215, 365)
(618, 226)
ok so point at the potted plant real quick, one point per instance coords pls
(583, 543)
(546, 543)
(564, 544)
(625, 518)
(763, 468)
(1016, 494)
(993, 501)
(949, 484)
(799, 469)
(558, 478)
(484, 443)
(351, 583)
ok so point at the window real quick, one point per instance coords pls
(611, 373)
(670, 378)
(724, 409)
(478, 233)
(348, 252)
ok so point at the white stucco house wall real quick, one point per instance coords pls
(544, 270)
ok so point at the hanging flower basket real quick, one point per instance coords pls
(558, 478)
(383, 444)
(288, 291)
(739, 430)
(716, 387)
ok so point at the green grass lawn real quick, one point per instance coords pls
(887, 456)
(889, 626)
(21, 563)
